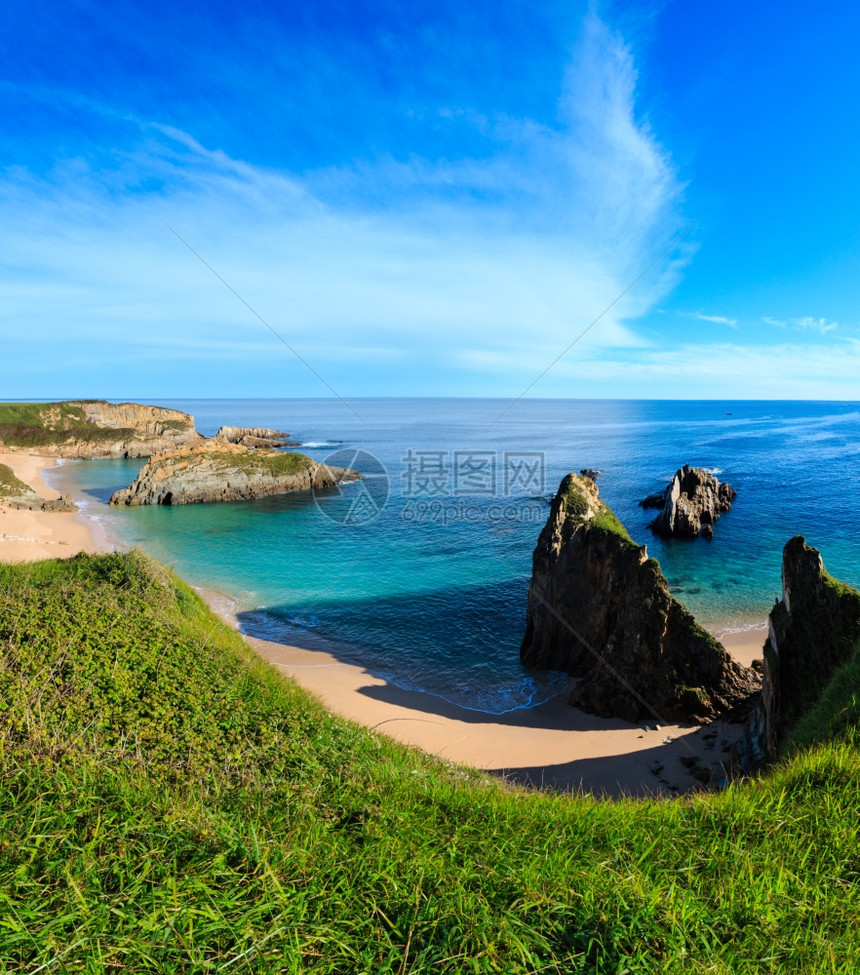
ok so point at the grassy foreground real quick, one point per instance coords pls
(169, 804)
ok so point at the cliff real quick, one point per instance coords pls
(812, 632)
(226, 472)
(601, 610)
(693, 501)
(94, 428)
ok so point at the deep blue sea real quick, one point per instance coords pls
(420, 572)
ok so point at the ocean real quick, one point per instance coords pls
(420, 572)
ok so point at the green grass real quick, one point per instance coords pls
(10, 484)
(576, 503)
(275, 463)
(836, 714)
(169, 804)
(48, 424)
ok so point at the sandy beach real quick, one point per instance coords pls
(551, 746)
(26, 536)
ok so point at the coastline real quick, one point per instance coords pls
(27, 536)
(551, 746)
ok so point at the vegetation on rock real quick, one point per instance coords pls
(45, 424)
(10, 484)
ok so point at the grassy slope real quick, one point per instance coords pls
(10, 484)
(168, 803)
(46, 424)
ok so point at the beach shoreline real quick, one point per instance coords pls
(27, 536)
(551, 746)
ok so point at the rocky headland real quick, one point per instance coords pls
(94, 428)
(223, 471)
(256, 437)
(691, 503)
(600, 610)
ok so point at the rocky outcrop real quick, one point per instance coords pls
(812, 631)
(226, 472)
(14, 493)
(94, 428)
(255, 437)
(32, 502)
(601, 610)
(693, 501)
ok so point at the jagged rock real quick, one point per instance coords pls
(255, 437)
(811, 631)
(601, 610)
(693, 501)
(94, 428)
(657, 500)
(32, 502)
(226, 472)
(590, 473)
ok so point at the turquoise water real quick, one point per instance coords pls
(431, 592)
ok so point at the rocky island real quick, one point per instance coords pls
(691, 503)
(94, 428)
(600, 610)
(221, 471)
(255, 437)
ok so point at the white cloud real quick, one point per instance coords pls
(527, 249)
(804, 324)
(716, 319)
(826, 371)
(815, 324)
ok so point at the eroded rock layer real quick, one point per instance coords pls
(601, 610)
(226, 472)
(94, 428)
(255, 437)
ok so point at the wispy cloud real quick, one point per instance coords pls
(796, 370)
(821, 325)
(716, 319)
(392, 258)
(805, 324)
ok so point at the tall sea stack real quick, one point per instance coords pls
(813, 630)
(601, 610)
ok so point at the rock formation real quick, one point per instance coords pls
(226, 472)
(812, 631)
(255, 437)
(601, 610)
(94, 428)
(14, 493)
(693, 501)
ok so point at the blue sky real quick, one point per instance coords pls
(430, 198)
